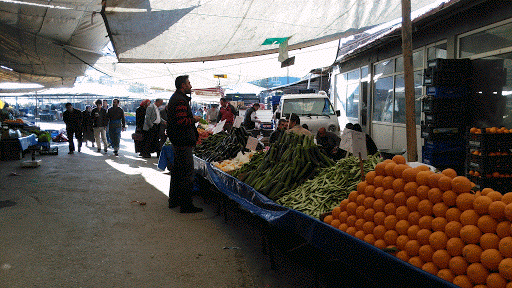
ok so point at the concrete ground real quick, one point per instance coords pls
(72, 222)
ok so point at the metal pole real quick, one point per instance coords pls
(410, 119)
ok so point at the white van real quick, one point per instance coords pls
(314, 110)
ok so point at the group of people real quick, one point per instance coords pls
(151, 122)
(94, 125)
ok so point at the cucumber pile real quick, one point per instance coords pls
(287, 164)
(223, 146)
(332, 185)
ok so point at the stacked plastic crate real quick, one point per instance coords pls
(447, 84)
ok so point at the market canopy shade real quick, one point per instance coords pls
(192, 30)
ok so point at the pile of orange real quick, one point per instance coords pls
(435, 220)
(492, 130)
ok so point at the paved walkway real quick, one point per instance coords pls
(73, 223)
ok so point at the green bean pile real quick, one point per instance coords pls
(332, 185)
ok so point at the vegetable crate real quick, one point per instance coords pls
(501, 184)
(490, 141)
(430, 132)
(447, 92)
(443, 105)
(449, 157)
(446, 119)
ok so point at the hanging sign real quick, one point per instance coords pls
(238, 121)
(354, 142)
(219, 127)
(252, 143)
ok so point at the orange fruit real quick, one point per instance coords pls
(477, 273)
(335, 223)
(452, 229)
(462, 281)
(360, 199)
(343, 227)
(401, 227)
(402, 213)
(422, 177)
(370, 176)
(507, 198)
(486, 191)
(438, 224)
(388, 169)
(401, 241)
(368, 202)
(495, 195)
(495, 280)
(461, 184)
(379, 231)
(469, 217)
(470, 234)
(508, 211)
(387, 182)
(441, 258)
(390, 222)
(412, 202)
(388, 195)
(409, 174)
(343, 217)
(378, 205)
(390, 237)
(400, 199)
(351, 220)
(497, 210)
(369, 190)
(503, 229)
(377, 181)
(433, 180)
(440, 209)
(416, 261)
(423, 236)
(369, 238)
(380, 243)
(481, 204)
(398, 185)
(425, 207)
(453, 214)
(423, 168)
(491, 259)
(505, 268)
(360, 212)
(471, 253)
(412, 247)
(473, 130)
(487, 224)
(446, 274)
(430, 267)
(465, 201)
(458, 265)
(351, 208)
(412, 232)
(360, 235)
(380, 169)
(343, 205)
(368, 227)
(399, 169)
(359, 224)
(438, 240)
(449, 172)
(399, 159)
(505, 247)
(489, 241)
(353, 195)
(379, 191)
(414, 217)
(444, 183)
(425, 253)
(454, 246)
(352, 231)
(422, 192)
(361, 186)
(378, 218)
(410, 189)
(435, 195)
(425, 222)
(328, 219)
(390, 209)
(402, 255)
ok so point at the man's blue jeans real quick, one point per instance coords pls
(114, 131)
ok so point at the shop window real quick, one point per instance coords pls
(353, 100)
(364, 73)
(485, 41)
(399, 115)
(384, 68)
(417, 61)
(437, 51)
(341, 91)
(383, 100)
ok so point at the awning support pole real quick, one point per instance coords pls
(410, 118)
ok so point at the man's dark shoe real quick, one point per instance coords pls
(99, 150)
(173, 204)
(115, 153)
(191, 209)
(146, 156)
(70, 152)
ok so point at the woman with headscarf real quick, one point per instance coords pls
(87, 125)
(140, 115)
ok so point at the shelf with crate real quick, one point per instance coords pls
(502, 184)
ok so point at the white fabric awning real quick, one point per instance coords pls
(192, 30)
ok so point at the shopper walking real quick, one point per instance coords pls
(73, 119)
(105, 106)
(183, 134)
(99, 125)
(152, 129)
(140, 115)
(116, 124)
(227, 112)
(87, 120)
(162, 136)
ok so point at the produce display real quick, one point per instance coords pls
(436, 221)
(287, 164)
(222, 146)
(203, 134)
(235, 163)
(329, 187)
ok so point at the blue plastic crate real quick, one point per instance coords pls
(444, 145)
(450, 157)
(448, 92)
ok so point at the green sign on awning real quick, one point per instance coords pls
(272, 41)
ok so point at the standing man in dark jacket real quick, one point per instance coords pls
(73, 119)
(140, 115)
(183, 134)
(116, 124)
(99, 125)
(250, 117)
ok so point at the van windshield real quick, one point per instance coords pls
(308, 107)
